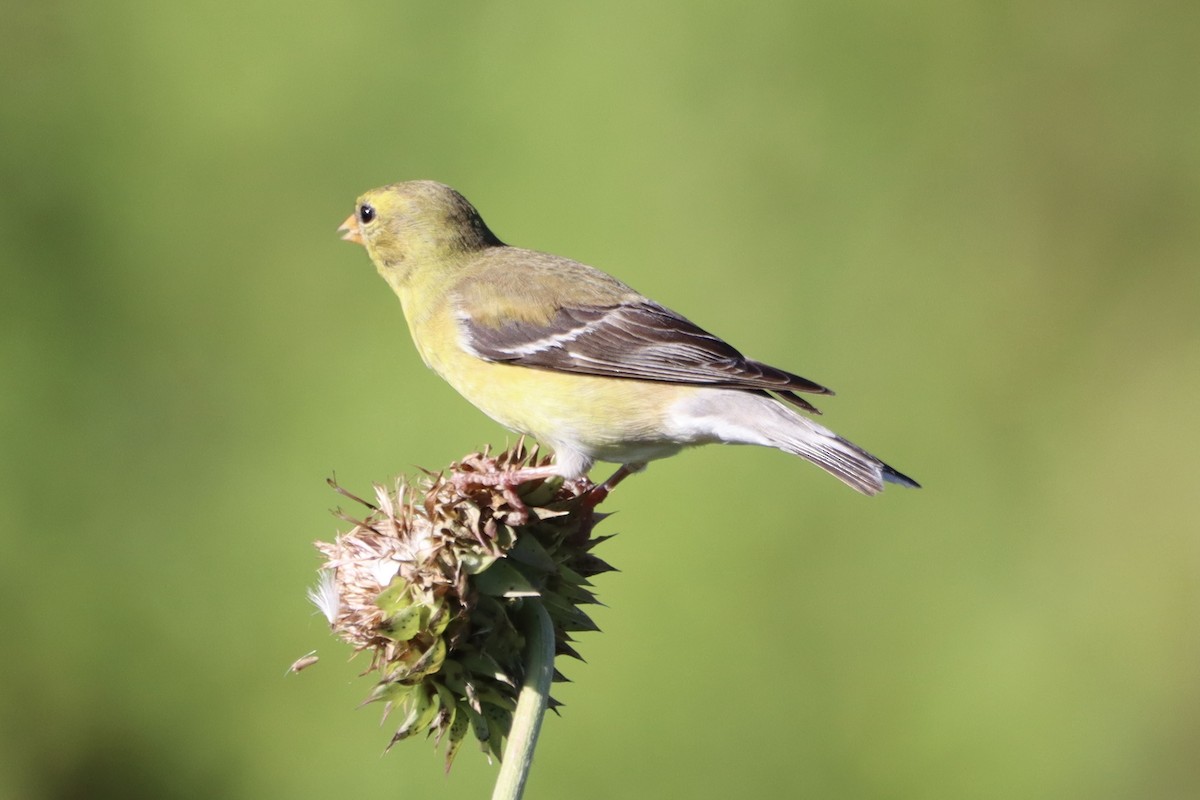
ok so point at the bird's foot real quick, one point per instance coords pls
(507, 482)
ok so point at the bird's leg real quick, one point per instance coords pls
(507, 482)
(597, 494)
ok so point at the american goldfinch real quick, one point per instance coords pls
(571, 356)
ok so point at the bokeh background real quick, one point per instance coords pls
(978, 222)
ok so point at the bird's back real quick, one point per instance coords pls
(503, 284)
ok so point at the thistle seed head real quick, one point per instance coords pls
(430, 581)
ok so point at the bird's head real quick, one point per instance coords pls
(404, 225)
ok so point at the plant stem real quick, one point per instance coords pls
(531, 704)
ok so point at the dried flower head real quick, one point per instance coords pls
(430, 583)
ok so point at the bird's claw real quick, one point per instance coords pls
(506, 482)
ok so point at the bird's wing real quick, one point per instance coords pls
(638, 340)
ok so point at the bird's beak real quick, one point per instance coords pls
(351, 232)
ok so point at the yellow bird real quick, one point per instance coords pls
(571, 356)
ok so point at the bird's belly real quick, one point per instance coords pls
(606, 419)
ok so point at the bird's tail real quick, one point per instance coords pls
(841, 458)
(754, 418)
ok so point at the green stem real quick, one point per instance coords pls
(531, 704)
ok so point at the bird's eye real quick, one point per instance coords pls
(366, 213)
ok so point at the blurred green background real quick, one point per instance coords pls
(977, 222)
